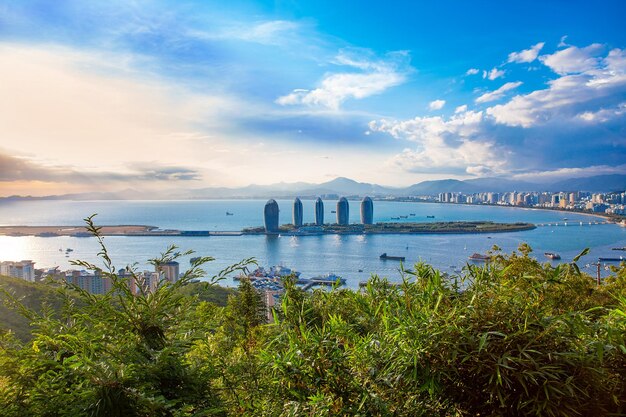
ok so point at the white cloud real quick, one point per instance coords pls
(527, 55)
(436, 104)
(569, 96)
(603, 115)
(450, 146)
(499, 93)
(493, 74)
(573, 59)
(562, 43)
(472, 71)
(461, 109)
(376, 76)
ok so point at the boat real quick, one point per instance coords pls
(622, 248)
(229, 213)
(386, 257)
(395, 218)
(327, 279)
(333, 211)
(411, 214)
(404, 217)
(69, 250)
(479, 257)
(620, 259)
(430, 217)
(552, 255)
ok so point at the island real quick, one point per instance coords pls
(398, 228)
(287, 229)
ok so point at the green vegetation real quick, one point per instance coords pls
(34, 297)
(407, 227)
(512, 338)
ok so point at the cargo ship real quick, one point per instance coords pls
(386, 257)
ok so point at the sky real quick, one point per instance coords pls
(164, 95)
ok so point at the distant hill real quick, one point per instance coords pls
(33, 295)
(349, 187)
(603, 183)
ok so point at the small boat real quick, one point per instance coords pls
(430, 217)
(69, 250)
(360, 270)
(333, 211)
(386, 257)
(229, 213)
(404, 217)
(565, 218)
(395, 218)
(479, 257)
(411, 214)
(622, 248)
(552, 255)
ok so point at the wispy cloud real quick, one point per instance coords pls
(527, 55)
(499, 93)
(376, 75)
(472, 71)
(22, 169)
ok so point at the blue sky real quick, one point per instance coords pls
(200, 93)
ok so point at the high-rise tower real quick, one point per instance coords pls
(270, 216)
(319, 212)
(343, 211)
(297, 212)
(367, 211)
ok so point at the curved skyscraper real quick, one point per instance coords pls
(319, 212)
(270, 216)
(367, 211)
(343, 211)
(297, 212)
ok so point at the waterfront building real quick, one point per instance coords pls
(270, 216)
(93, 283)
(367, 211)
(22, 269)
(343, 211)
(297, 212)
(319, 212)
(170, 271)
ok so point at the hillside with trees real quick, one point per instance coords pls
(512, 338)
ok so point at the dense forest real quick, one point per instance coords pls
(514, 337)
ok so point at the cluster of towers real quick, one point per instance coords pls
(272, 211)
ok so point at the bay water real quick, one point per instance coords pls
(354, 257)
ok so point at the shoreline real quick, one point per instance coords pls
(612, 218)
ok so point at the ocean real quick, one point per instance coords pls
(311, 255)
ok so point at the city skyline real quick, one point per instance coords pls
(171, 95)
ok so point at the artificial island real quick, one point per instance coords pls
(295, 228)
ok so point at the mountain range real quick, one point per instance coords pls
(349, 187)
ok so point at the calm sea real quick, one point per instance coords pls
(311, 255)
